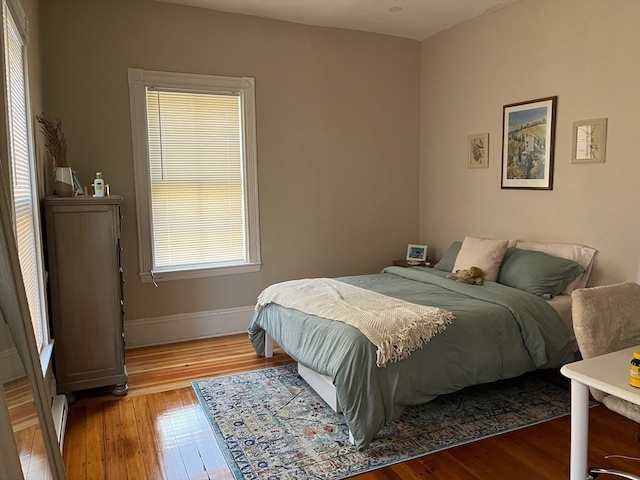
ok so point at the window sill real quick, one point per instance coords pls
(45, 357)
(169, 275)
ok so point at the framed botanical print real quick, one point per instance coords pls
(479, 150)
(589, 141)
(528, 131)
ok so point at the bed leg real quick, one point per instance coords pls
(268, 345)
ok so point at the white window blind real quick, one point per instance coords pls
(195, 163)
(195, 159)
(22, 175)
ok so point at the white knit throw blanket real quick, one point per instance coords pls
(394, 326)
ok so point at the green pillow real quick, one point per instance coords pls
(537, 272)
(448, 260)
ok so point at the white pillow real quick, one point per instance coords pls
(580, 254)
(485, 253)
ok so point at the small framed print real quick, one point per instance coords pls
(479, 150)
(589, 141)
(416, 254)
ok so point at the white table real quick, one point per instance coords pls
(609, 373)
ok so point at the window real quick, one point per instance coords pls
(196, 174)
(24, 200)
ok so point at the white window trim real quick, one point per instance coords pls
(244, 86)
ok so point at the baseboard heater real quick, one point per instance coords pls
(59, 411)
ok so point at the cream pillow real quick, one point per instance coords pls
(486, 253)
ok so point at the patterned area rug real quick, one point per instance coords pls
(271, 425)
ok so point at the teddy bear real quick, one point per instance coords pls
(473, 276)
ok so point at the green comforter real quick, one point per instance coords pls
(499, 332)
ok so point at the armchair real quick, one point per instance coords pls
(606, 319)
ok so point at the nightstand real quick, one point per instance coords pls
(405, 263)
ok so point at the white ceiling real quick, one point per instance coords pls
(415, 19)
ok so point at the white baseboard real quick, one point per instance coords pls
(186, 326)
(10, 365)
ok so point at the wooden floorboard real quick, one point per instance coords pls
(158, 431)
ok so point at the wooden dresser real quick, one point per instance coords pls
(85, 278)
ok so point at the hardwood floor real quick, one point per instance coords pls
(158, 430)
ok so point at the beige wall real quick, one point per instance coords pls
(588, 54)
(346, 119)
(338, 133)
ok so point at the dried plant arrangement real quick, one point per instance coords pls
(55, 141)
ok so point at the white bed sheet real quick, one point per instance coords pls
(562, 305)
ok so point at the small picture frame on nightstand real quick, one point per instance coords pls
(416, 254)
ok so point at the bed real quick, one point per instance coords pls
(498, 332)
